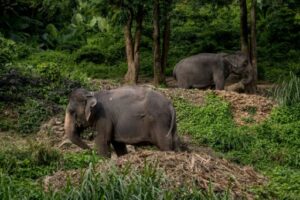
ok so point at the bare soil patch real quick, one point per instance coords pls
(247, 109)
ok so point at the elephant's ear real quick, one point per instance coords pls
(237, 61)
(231, 59)
(90, 103)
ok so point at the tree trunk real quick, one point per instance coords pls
(157, 67)
(133, 47)
(137, 41)
(244, 27)
(131, 71)
(251, 88)
(166, 37)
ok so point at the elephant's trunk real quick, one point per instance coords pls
(174, 73)
(69, 125)
(172, 128)
(248, 75)
(72, 132)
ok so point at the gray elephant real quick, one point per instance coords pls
(209, 70)
(127, 115)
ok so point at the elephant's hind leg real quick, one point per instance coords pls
(183, 83)
(120, 148)
(163, 140)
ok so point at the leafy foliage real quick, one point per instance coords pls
(11, 50)
(32, 114)
(93, 30)
(32, 162)
(32, 98)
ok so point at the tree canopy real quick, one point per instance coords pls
(95, 30)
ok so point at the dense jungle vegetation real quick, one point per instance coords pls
(49, 47)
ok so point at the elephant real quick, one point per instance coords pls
(210, 70)
(132, 115)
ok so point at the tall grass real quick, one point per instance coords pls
(131, 184)
(288, 91)
(116, 184)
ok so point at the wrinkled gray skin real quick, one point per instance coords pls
(127, 115)
(209, 70)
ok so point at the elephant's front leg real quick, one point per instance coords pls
(103, 138)
(102, 146)
(219, 80)
(120, 148)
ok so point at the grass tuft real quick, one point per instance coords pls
(288, 91)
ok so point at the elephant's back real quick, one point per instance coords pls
(197, 70)
(136, 109)
(141, 99)
(128, 93)
(198, 61)
(135, 97)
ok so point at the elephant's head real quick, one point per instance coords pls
(78, 112)
(239, 64)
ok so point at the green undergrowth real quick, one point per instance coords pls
(53, 63)
(273, 146)
(33, 160)
(22, 170)
(288, 90)
(27, 99)
(116, 184)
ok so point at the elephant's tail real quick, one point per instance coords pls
(173, 127)
(174, 73)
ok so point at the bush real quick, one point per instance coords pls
(8, 51)
(91, 53)
(11, 51)
(104, 48)
(288, 91)
(30, 162)
(32, 114)
(31, 99)
(53, 65)
(11, 188)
